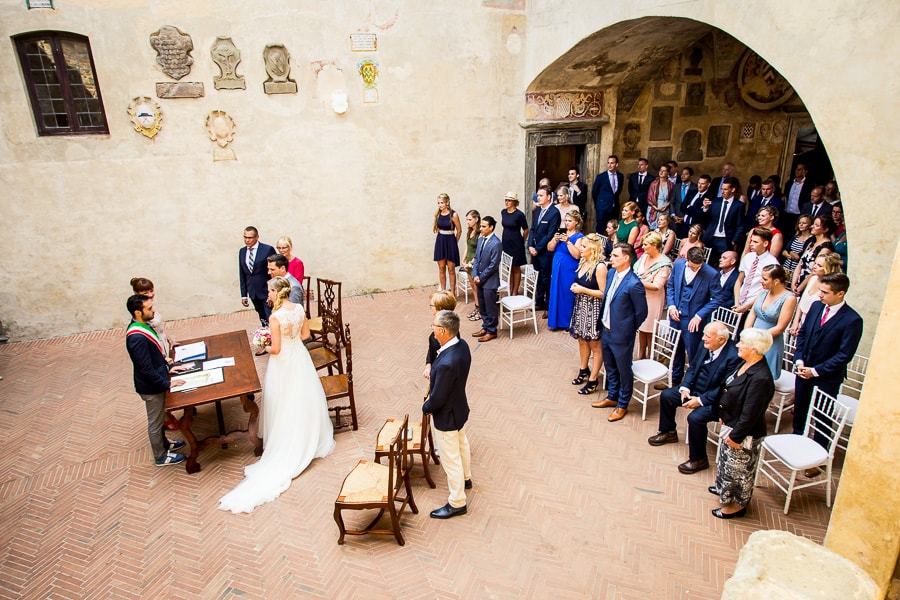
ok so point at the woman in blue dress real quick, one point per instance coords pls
(565, 261)
(589, 286)
(772, 311)
(515, 232)
(446, 246)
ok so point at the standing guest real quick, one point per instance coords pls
(252, 273)
(717, 183)
(696, 209)
(791, 254)
(515, 233)
(566, 253)
(277, 266)
(545, 221)
(728, 275)
(590, 281)
(639, 183)
(625, 304)
(796, 193)
(694, 239)
(749, 282)
(663, 222)
(628, 229)
(673, 171)
(772, 311)
(826, 263)
(660, 195)
(765, 219)
(643, 229)
(141, 285)
(768, 197)
(685, 190)
(543, 181)
(840, 233)
(698, 392)
(745, 399)
(442, 300)
(726, 214)
(563, 205)
(832, 195)
(653, 268)
(446, 245)
(816, 205)
(285, 247)
(151, 377)
(606, 191)
(822, 229)
(473, 227)
(692, 294)
(578, 192)
(826, 344)
(486, 275)
(447, 403)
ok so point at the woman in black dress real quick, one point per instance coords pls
(589, 286)
(515, 232)
(742, 411)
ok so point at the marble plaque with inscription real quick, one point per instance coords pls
(182, 89)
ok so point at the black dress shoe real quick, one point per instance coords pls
(717, 512)
(663, 437)
(468, 484)
(447, 512)
(693, 466)
(712, 490)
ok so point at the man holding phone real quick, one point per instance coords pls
(700, 392)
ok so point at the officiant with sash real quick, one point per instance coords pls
(151, 377)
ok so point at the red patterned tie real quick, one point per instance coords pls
(745, 289)
(824, 316)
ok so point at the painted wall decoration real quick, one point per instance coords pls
(278, 67)
(563, 106)
(761, 86)
(227, 57)
(368, 71)
(659, 156)
(691, 146)
(173, 51)
(221, 129)
(718, 140)
(631, 136)
(146, 116)
(661, 123)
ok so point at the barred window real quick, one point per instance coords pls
(59, 73)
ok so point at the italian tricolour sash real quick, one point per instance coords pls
(145, 330)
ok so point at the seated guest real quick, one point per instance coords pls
(822, 229)
(285, 246)
(653, 268)
(742, 409)
(692, 294)
(611, 227)
(749, 282)
(694, 239)
(766, 218)
(700, 392)
(663, 226)
(728, 275)
(628, 228)
(791, 254)
(826, 263)
(643, 229)
(772, 311)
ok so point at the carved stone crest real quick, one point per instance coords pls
(146, 116)
(221, 131)
(762, 87)
(278, 67)
(227, 57)
(173, 48)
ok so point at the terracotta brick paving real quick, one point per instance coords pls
(565, 504)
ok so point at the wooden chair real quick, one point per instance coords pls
(373, 485)
(341, 386)
(326, 351)
(328, 298)
(420, 442)
(510, 305)
(307, 294)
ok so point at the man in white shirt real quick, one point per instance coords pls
(749, 281)
(796, 194)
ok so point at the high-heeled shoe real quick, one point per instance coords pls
(717, 512)
(589, 388)
(475, 315)
(582, 375)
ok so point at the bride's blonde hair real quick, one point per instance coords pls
(282, 288)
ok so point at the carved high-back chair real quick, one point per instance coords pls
(340, 386)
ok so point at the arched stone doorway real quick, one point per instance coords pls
(667, 88)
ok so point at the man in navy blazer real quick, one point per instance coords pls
(486, 275)
(606, 190)
(253, 273)
(725, 229)
(545, 221)
(639, 184)
(766, 198)
(696, 208)
(692, 294)
(624, 309)
(447, 404)
(728, 276)
(826, 344)
(699, 391)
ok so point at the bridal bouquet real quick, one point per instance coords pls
(262, 337)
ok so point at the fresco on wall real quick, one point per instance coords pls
(661, 123)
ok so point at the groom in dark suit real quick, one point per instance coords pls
(699, 391)
(448, 406)
(826, 343)
(253, 273)
(625, 304)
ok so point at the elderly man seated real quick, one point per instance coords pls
(700, 391)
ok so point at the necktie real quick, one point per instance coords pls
(709, 359)
(720, 228)
(641, 179)
(824, 316)
(745, 289)
(609, 297)
(250, 259)
(541, 216)
(684, 191)
(612, 181)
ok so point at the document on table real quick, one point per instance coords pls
(194, 351)
(218, 362)
(198, 379)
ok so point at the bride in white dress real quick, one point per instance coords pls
(296, 424)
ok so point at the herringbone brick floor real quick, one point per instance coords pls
(565, 504)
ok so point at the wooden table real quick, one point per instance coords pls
(241, 381)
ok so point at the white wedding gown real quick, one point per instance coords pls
(296, 425)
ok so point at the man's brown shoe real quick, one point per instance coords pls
(479, 333)
(813, 473)
(487, 337)
(660, 386)
(663, 437)
(617, 415)
(605, 403)
(693, 466)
